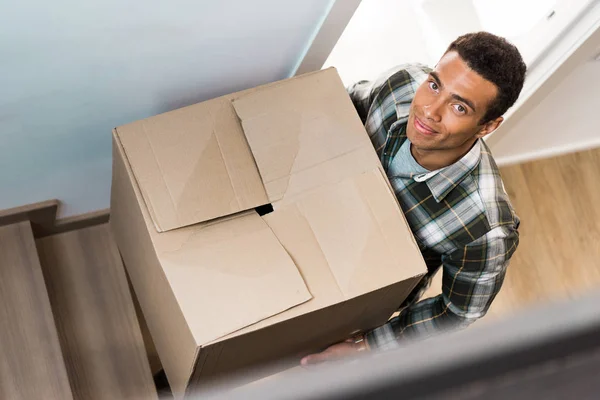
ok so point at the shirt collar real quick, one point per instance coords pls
(442, 181)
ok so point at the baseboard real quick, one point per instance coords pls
(80, 221)
(43, 219)
(42, 215)
(546, 153)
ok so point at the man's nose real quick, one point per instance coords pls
(432, 111)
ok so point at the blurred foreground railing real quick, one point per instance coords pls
(545, 352)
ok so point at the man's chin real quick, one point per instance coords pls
(412, 135)
(419, 142)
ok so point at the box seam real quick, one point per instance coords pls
(237, 200)
(312, 231)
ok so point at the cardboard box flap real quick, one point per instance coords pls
(192, 164)
(297, 238)
(362, 234)
(297, 125)
(229, 274)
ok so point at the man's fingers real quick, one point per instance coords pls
(313, 359)
(332, 353)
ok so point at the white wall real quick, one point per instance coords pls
(385, 33)
(380, 35)
(72, 70)
(567, 119)
(556, 111)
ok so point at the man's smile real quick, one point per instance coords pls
(423, 128)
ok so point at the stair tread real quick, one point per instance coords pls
(31, 362)
(99, 331)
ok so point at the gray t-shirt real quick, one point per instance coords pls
(405, 164)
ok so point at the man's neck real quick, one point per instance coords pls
(436, 159)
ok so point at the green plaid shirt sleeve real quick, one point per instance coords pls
(472, 277)
(461, 216)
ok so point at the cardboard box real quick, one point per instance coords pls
(223, 288)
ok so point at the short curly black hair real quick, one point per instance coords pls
(496, 60)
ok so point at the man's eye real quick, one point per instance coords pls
(460, 108)
(433, 86)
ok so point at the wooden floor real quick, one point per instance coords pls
(558, 201)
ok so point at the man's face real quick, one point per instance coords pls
(448, 107)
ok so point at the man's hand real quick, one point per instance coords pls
(338, 351)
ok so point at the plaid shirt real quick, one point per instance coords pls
(460, 216)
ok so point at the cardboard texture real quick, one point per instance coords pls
(290, 134)
(241, 268)
(224, 289)
(189, 178)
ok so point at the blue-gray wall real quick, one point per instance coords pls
(71, 70)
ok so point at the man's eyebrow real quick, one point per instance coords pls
(467, 102)
(436, 77)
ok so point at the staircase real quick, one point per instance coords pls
(68, 325)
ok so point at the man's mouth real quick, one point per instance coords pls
(422, 128)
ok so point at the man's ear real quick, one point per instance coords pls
(489, 127)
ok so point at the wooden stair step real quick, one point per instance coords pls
(42, 216)
(31, 362)
(95, 317)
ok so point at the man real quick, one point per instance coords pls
(427, 126)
